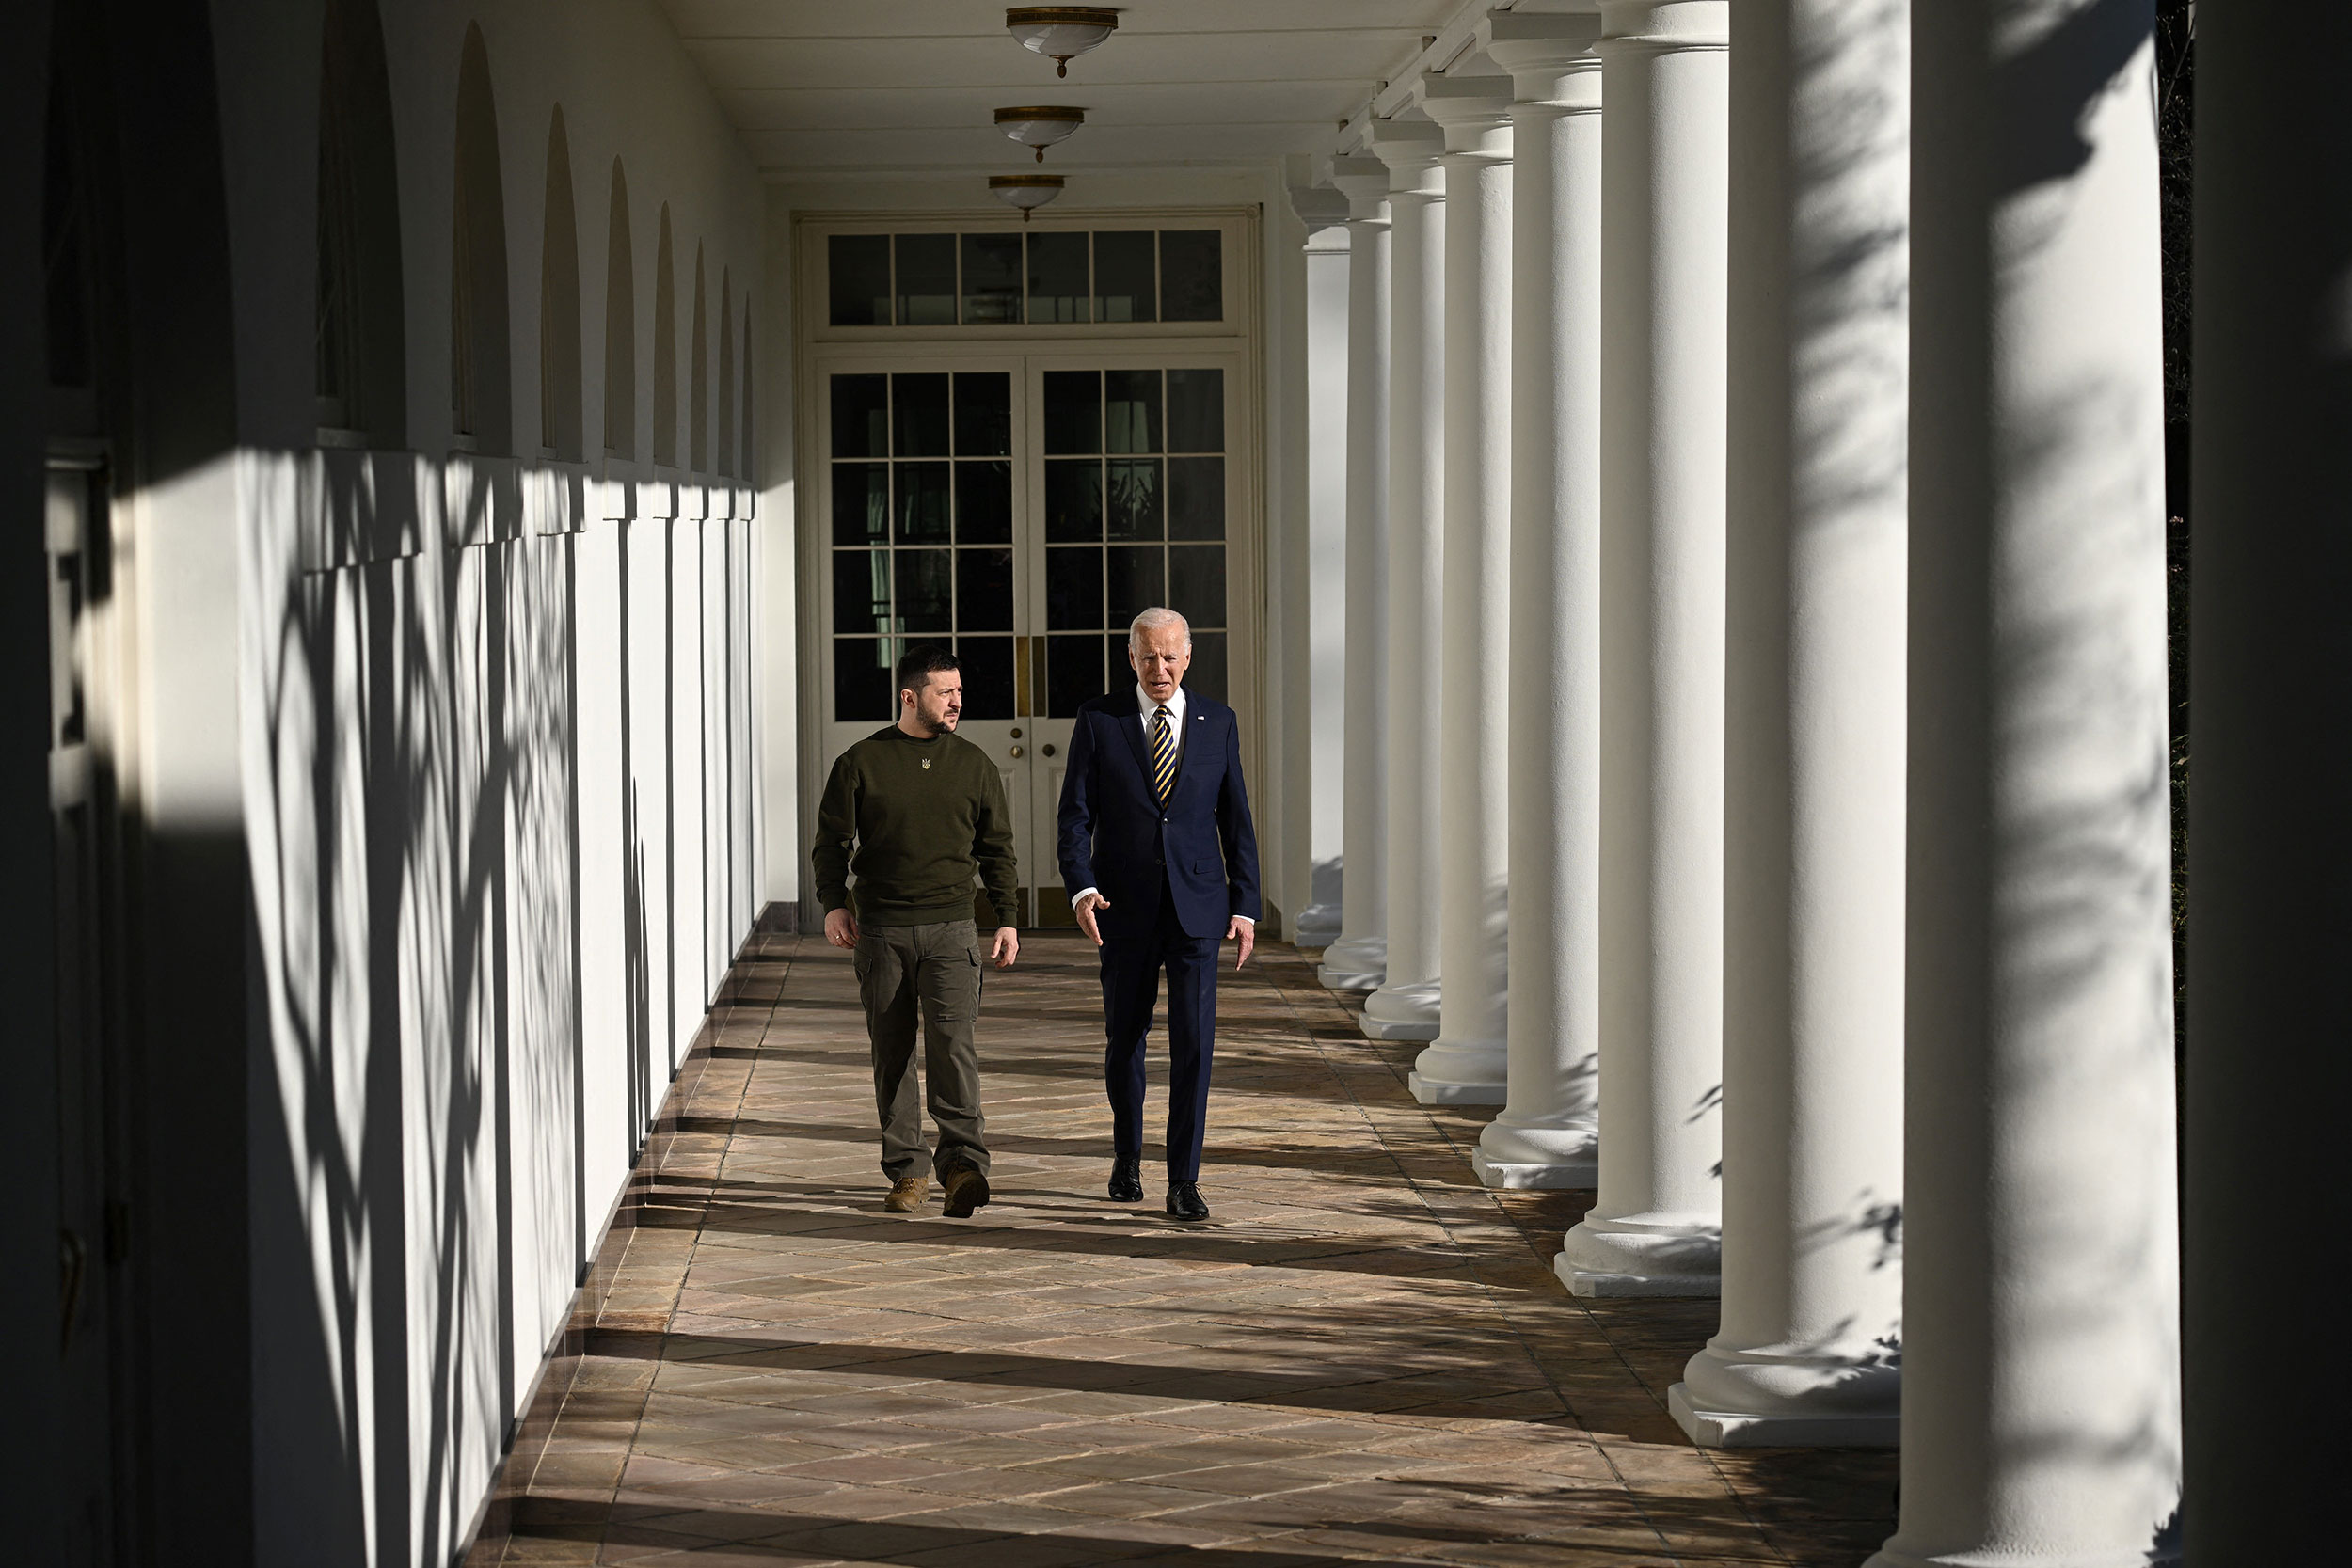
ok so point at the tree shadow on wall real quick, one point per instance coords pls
(417, 1228)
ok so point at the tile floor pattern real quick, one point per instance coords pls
(1363, 1358)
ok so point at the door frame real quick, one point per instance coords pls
(821, 350)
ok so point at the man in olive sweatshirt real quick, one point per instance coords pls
(916, 809)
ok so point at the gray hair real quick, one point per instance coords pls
(1152, 620)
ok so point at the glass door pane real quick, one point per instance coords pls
(1023, 532)
(1130, 480)
(922, 531)
(1125, 527)
(923, 550)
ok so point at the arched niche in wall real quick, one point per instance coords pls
(559, 306)
(725, 461)
(698, 408)
(361, 343)
(76, 212)
(156, 383)
(665, 349)
(620, 327)
(480, 400)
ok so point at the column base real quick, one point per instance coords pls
(1317, 925)
(1791, 1395)
(1436, 1091)
(1724, 1429)
(1613, 1258)
(2164, 1553)
(1451, 1072)
(1406, 1012)
(1355, 963)
(1540, 1156)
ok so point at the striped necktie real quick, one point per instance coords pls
(1163, 755)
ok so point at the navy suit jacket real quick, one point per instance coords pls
(1117, 838)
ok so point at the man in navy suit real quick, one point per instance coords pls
(1155, 837)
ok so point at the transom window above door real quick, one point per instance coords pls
(1037, 276)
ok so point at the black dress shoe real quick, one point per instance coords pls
(1126, 1181)
(1183, 1202)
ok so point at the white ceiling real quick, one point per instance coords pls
(835, 86)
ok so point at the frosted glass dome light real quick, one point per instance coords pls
(1060, 33)
(1040, 125)
(1024, 191)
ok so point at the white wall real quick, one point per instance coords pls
(774, 608)
(492, 715)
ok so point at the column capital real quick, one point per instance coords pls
(1365, 183)
(1474, 111)
(1410, 149)
(1318, 206)
(1665, 26)
(1549, 56)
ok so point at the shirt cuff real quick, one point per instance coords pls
(1084, 891)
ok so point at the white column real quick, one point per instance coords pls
(1548, 1133)
(1664, 186)
(1406, 1005)
(1358, 959)
(2271, 843)
(1813, 873)
(1314, 676)
(2041, 1420)
(1464, 1064)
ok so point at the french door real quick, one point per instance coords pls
(1021, 510)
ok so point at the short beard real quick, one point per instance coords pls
(937, 727)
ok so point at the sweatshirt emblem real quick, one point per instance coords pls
(927, 764)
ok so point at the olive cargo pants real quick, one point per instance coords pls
(934, 970)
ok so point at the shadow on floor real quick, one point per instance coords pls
(1369, 1163)
(1365, 1359)
(1334, 1383)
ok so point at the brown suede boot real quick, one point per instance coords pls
(967, 1190)
(907, 1195)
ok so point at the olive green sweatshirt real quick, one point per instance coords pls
(923, 816)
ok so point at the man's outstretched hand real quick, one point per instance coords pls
(1244, 932)
(1007, 947)
(1087, 903)
(841, 928)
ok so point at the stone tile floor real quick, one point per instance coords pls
(1363, 1358)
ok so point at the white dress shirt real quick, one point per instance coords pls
(1146, 708)
(1175, 706)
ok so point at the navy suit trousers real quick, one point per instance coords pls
(1132, 962)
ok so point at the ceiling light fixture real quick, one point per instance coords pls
(1060, 33)
(1024, 191)
(1040, 125)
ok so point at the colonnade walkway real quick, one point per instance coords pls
(1363, 1358)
